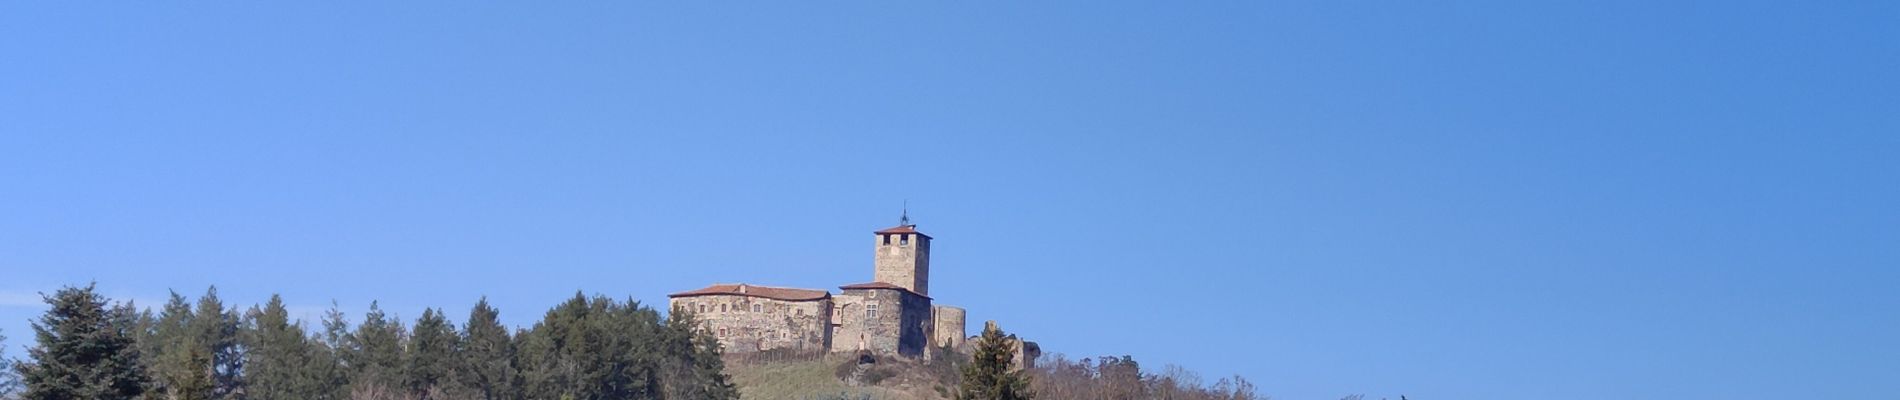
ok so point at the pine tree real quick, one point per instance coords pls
(432, 355)
(9, 383)
(160, 341)
(191, 372)
(375, 354)
(593, 349)
(84, 350)
(991, 374)
(488, 354)
(214, 331)
(281, 362)
(697, 370)
(336, 342)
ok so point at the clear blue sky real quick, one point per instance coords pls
(1565, 200)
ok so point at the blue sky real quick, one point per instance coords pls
(1469, 200)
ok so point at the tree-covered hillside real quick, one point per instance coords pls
(89, 347)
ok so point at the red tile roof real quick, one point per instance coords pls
(901, 229)
(741, 289)
(881, 285)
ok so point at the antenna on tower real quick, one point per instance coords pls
(905, 219)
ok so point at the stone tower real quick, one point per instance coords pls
(903, 257)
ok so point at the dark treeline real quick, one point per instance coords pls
(88, 347)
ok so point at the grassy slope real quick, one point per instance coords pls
(809, 380)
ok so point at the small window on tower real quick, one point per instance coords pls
(870, 311)
(904, 240)
(702, 308)
(722, 308)
(887, 240)
(722, 332)
(758, 308)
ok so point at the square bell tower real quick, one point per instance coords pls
(903, 256)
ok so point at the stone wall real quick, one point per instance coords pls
(1026, 354)
(903, 259)
(949, 327)
(889, 321)
(750, 323)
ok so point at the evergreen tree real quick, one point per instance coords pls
(991, 374)
(433, 346)
(214, 331)
(696, 369)
(336, 342)
(179, 336)
(84, 350)
(160, 342)
(9, 383)
(488, 354)
(281, 362)
(190, 377)
(593, 349)
(375, 355)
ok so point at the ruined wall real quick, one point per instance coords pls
(901, 323)
(1026, 354)
(749, 323)
(903, 259)
(949, 330)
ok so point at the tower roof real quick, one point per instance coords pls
(741, 289)
(910, 228)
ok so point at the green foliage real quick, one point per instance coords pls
(374, 354)
(432, 360)
(992, 374)
(593, 349)
(184, 346)
(695, 367)
(84, 350)
(189, 377)
(584, 348)
(488, 355)
(214, 330)
(336, 341)
(9, 382)
(282, 362)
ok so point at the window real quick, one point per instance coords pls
(904, 240)
(799, 312)
(887, 240)
(870, 311)
(758, 308)
(722, 308)
(702, 308)
(722, 332)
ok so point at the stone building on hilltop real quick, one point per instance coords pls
(892, 314)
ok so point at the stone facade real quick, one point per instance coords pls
(949, 326)
(752, 318)
(892, 314)
(882, 318)
(903, 258)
